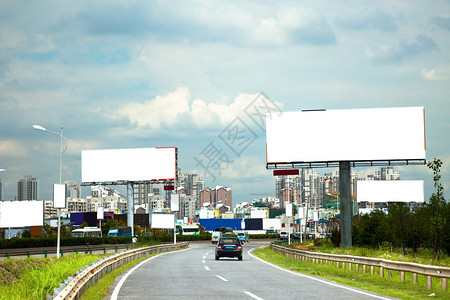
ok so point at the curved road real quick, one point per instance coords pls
(195, 274)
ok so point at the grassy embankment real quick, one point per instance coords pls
(34, 278)
(383, 285)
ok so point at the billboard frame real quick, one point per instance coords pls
(125, 182)
(130, 187)
(332, 163)
(342, 161)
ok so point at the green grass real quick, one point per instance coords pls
(34, 278)
(422, 256)
(374, 283)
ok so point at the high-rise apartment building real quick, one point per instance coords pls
(28, 189)
(2, 192)
(389, 173)
(220, 196)
(288, 189)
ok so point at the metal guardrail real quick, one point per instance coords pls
(64, 250)
(403, 267)
(74, 287)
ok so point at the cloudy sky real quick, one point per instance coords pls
(131, 74)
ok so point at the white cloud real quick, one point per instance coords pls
(241, 168)
(437, 74)
(176, 110)
(158, 111)
(74, 147)
(11, 148)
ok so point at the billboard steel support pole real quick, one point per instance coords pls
(130, 207)
(346, 203)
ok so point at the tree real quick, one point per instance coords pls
(400, 218)
(437, 206)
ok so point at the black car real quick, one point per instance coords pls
(229, 246)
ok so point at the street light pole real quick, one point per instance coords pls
(58, 210)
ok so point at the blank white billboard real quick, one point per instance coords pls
(163, 221)
(59, 195)
(390, 191)
(21, 213)
(288, 209)
(174, 202)
(346, 135)
(140, 164)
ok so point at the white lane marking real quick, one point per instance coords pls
(253, 296)
(221, 278)
(116, 291)
(204, 257)
(316, 279)
(206, 268)
(203, 261)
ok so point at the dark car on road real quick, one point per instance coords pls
(229, 247)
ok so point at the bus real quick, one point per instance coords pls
(87, 231)
(191, 229)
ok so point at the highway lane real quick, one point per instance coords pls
(195, 274)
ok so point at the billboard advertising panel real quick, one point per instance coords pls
(346, 135)
(390, 191)
(59, 195)
(21, 213)
(140, 164)
(163, 221)
(174, 202)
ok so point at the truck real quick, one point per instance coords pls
(120, 231)
(243, 237)
(215, 236)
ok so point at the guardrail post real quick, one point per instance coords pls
(349, 266)
(372, 270)
(402, 276)
(364, 268)
(429, 282)
(390, 274)
(414, 276)
(444, 283)
(357, 267)
(381, 272)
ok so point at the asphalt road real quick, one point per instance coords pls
(195, 274)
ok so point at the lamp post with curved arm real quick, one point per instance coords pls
(38, 127)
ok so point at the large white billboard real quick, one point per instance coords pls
(346, 135)
(21, 213)
(139, 164)
(163, 221)
(390, 191)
